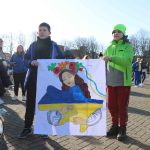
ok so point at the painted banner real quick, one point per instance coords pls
(71, 97)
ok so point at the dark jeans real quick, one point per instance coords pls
(30, 105)
(2, 89)
(5, 79)
(136, 78)
(19, 78)
(143, 76)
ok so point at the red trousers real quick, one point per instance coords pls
(118, 99)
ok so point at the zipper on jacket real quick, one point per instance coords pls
(114, 63)
(126, 74)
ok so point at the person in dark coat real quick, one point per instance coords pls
(43, 48)
(19, 71)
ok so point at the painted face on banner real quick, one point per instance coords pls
(68, 79)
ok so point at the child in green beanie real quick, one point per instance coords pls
(118, 57)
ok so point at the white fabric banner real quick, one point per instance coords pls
(71, 97)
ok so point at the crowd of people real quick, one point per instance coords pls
(19, 72)
(118, 57)
(5, 81)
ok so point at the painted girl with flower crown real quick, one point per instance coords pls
(73, 103)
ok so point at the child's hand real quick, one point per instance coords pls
(106, 58)
(34, 63)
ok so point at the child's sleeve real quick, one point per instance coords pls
(28, 56)
(126, 59)
(60, 54)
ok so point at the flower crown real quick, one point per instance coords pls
(72, 66)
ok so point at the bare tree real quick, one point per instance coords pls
(67, 44)
(84, 46)
(11, 44)
(101, 47)
(8, 42)
(141, 42)
(87, 46)
(135, 43)
(33, 36)
(80, 42)
(21, 39)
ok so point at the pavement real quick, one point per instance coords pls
(138, 128)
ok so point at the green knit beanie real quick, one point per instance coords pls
(120, 27)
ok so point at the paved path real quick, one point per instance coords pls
(138, 129)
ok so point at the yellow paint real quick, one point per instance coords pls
(76, 113)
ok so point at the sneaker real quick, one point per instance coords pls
(113, 131)
(141, 84)
(25, 133)
(15, 98)
(24, 98)
(122, 134)
(136, 86)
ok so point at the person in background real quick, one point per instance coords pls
(5, 81)
(136, 69)
(19, 71)
(2, 56)
(143, 72)
(100, 55)
(118, 57)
